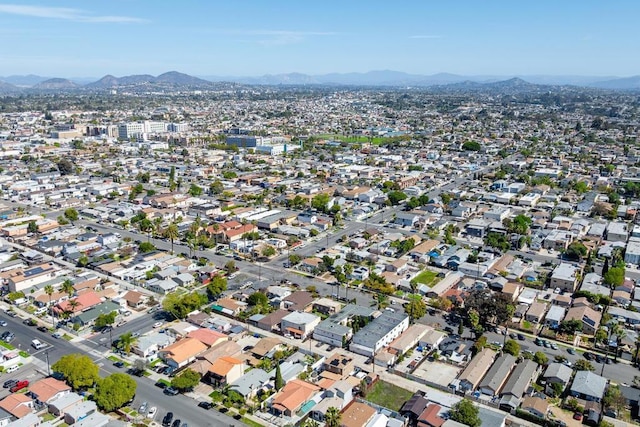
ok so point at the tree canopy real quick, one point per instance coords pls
(465, 412)
(491, 308)
(416, 308)
(182, 304)
(512, 347)
(216, 287)
(187, 380)
(614, 277)
(78, 370)
(114, 391)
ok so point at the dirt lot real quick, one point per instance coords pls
(565, 416)
(437, 372)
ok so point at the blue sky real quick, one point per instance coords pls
(255, 37)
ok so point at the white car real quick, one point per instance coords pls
(157, 324)
(152, 412)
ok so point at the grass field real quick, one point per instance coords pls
(388, 395)
(427, 277)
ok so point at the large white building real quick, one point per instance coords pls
(379, 333)
(138, 129)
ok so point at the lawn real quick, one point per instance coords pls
(7, 345)
(251, 423)
(388, 395)
(428, 278)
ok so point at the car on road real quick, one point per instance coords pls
(9, 383)
(166, 421)
(205, 405)
(521, 337)
(176, 423)
(157, 324)
(170, 391)
(554, 346)
(571, 351)
(599, 359)
(152, 412)
(588, 355)
(43, 329)
(37, 344)
(143, 408)
(161, 384)
(135, 334)
(56, 335)
(119, 364)
(29, 322)
(513, 335)
(7, 336)
(3, 323)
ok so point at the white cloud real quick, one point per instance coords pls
(425, 37)
(64, 13)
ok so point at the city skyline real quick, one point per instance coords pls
(125, 37)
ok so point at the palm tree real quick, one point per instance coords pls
(637, 350)
(171, 233)
(380, 300)
(126, 341)
(157, 225)
(332, 417)
(67, 287)
(146, 226)
(48, 289)
(215, 227)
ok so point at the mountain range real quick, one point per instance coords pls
(176, 80)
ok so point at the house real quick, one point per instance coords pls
(266, 346)
(410, 338)
(555, 315)
(557, 373)
(299, 324)
(64, 403)
(326, 306)
(470, 377)
(520, 379)
(148, 345)
(86, 318)
(588, 386)
(536, 406)
(17, 404)
(430, 417)
(249, 384)
(357, 414)
(271, 321)
(298, 301)
(182, 352)
(589, 317)
(80, 412)
(565, 277)
(339, 364)
(208, 337)
(414, 407)
(497, 375)
(48, 389)
(225, 370)
(292, 396)
(135, 299)
(536, 312)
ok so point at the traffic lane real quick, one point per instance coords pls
(182, 406)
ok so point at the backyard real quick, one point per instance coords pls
(388, 395)
(427, 277)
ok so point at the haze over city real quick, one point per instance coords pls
(250, 38)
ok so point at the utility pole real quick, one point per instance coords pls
(46, 355)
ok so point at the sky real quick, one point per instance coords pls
(65, 38)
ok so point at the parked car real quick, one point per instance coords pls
(161, 384)
(521, 337)
(166, 421)
(3, 323)
(9, 383)
(143, 408)
(176, 423)
(152, 412)
(588, 355)
(119, 364)
(19, 386)
(571, 351)
(29, 322)
(205, 405)
(43, 329)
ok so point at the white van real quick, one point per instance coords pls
(37, 344)
(11, 369)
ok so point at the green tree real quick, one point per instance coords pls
(540, 358)
(78, 370)
(279, 381)
(258, 299)
(512, 347)
(333, 417)
(171, 233)
(465, 412)
(216, 287)
(65, 167)
(584, 365)
(48, 289)
(195, 190)
(415, 308)
(471, 146)
(576, 251)
(114, 391)
(187, 380)
(126, 341)
(320, 202)
(614, 277)
(71, 214)
(105, 320)
(395, 197)
(32, 227)
(216, 187)
(268, 251)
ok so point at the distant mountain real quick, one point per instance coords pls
(56, 84)
(26, 81)
(624, 83)
(8, 88)
(176, 78)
